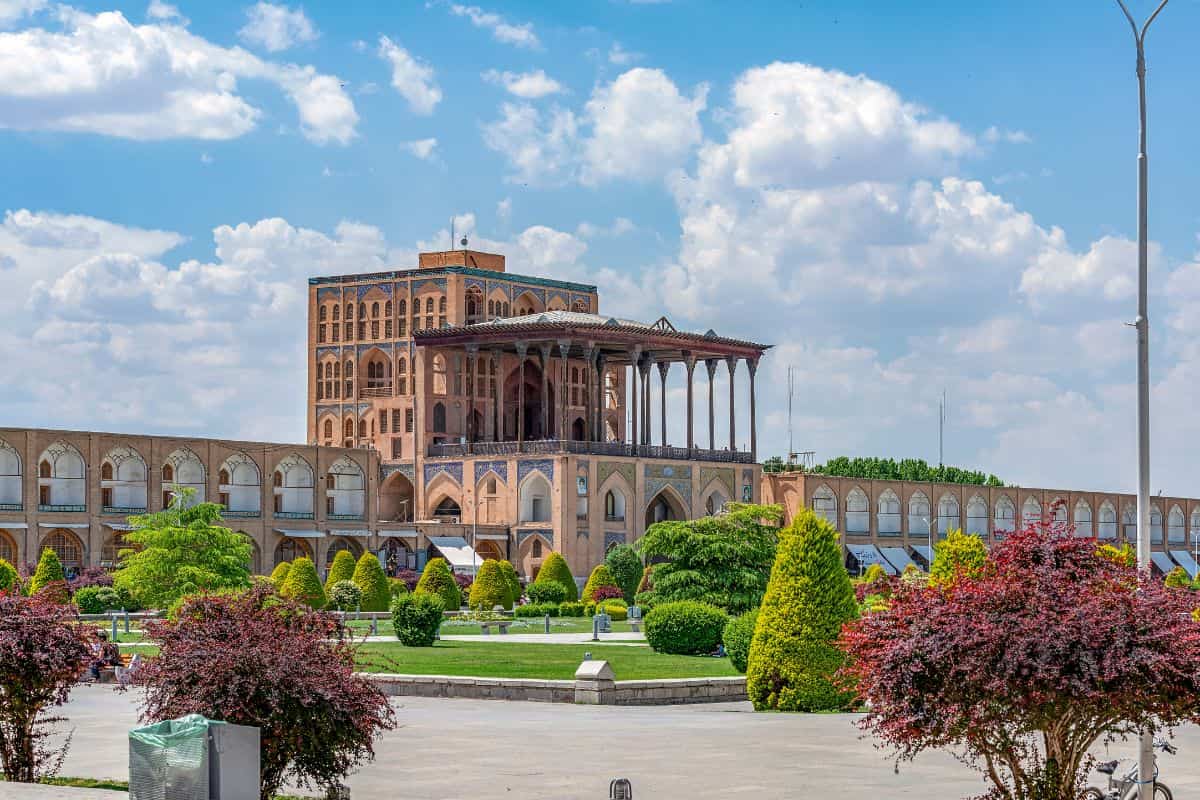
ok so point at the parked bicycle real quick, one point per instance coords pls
(1125, 786)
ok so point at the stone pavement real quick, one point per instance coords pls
(483, 749)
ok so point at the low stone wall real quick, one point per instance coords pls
(621, 693)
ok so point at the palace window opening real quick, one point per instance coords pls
(337, 313)
(322, 315)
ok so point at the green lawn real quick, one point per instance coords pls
(485, 659)
(557, 625)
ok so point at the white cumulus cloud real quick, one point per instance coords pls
(526, 85)
(276, 27)
(412, 78)
(520, 35)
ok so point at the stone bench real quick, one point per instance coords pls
(502, 624)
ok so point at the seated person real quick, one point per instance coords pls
(104, 654)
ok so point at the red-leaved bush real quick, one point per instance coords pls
(43, 651)
(1022, 668)
(410, 578)
(254, 659)
(607, 593)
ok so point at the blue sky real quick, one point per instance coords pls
(901, 197)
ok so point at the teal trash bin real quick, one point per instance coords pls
(169, 760)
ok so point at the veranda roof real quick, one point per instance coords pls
(868, 554)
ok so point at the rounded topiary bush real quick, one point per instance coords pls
(490, 588)
(794, 654)
(342, 569)
(512, 579)
(555, 568)
(601, 577)
(344, 596)
(370, 578)
(9, 577)
(416, 618)
(303, 585)
(279, 575)
(438, 580)
(87, 602)
(49, 572)
(685, 627)
(546, 592)
(616, 608)
(738, 634)
(571, 609)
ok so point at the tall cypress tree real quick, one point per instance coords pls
(342, 569)
(794, 653)
(368, 575)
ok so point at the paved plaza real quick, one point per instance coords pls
(483, 749)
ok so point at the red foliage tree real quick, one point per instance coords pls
(1022, 668)
(43, 651)
(253, 659)
(608, 593)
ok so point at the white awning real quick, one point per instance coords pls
(925, 552)
(896, 557)
(868, 554)
(456, 551)
(300, 534)
(356, 532)
(1161, 561)
(12, 526)
(77, 525)
(400, 534)
(118, 526)
(1184, 559)
(494, 537)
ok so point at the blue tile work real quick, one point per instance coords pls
(498, 467)
(612, 538)
(678, 477)
(407, 470)
(582, 298)
(550, 297)
(326, 351)
(386, 288)
(477, 283)
(324, 295)
(452, 468)
(540, 294)
(546, 535)
(543, 465)
(436, 283)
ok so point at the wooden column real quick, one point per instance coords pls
(601, 396)
(710, 364)
(647, 419)
(689, 363)
(634, 404)
(731, 363)
(752, 365)
(469, 386)
(545, 352)
(663, 368)
(497, 391)
(564, 390)
(522, 349)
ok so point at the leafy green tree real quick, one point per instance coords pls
(555, 568)
(626, 569)
(9, 577)
(303, 585)
(342, 569)
(439, 580)
(513, 581)
(908, 469)
(601, 576)
(344, 596)
(723, 561)
(489, 588)
(279, 575)
(49, 572)
(958, 554)
(182, 551)
(794, 654)
(369, 576)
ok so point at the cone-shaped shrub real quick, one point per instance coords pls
(555, 568)
(370, 577)
(303, 585)
(1176, 579)
(601, 576)
(9, 578)
(490, 589)
(794, 654)
(959, 553)
(279, 575)
(437, 579)
(342, 569)
(514, 582)
(626, 568)
(49, 571)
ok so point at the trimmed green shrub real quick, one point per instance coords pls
(737, 637)
(958, 553)
(344, 596)
(1178, 579)
(570, 609)
(626, 568)
(397, 586)
(490, 589)
(49, 571)
(546, 592)
(416, 618)
(794, 652)
(874, 573)
(437, 579)
(371, 579)
(513, 581)
(303, 585)
(279, 575)
(555, 568)
(87, 602)
(535, 610)
(342, 569)
(601, 576)
(9, 577)
(685, 627)
(616, 608)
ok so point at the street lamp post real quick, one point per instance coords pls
(1142, 324)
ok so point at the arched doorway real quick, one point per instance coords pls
(397, 555)
(665, 506)
(447, 510)
(486, 548)
(339, 544)
(8, 547)
(532, 409)
(396, 499)
(289, 549)
(69, 549)
(578, 430)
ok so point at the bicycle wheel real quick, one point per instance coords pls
(1161, 792)
(1091, 793)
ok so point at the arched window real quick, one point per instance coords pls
(67, 547)
(10, 477)
(858, 512)
(349, 428)
(349, 369)
(1156, 525)
(123, 481)
(1176, 525)
(106, 471)
(349, 311)
(535, 499)
(374, 309)
(328, 429)
(387, 308)
(1058, 510)
(362, 429)
(439, 375)
(439, 418)
(61, 483)
(1129, 522)
(347, 497)
(337, 313)
(614, 506)
(168, 472)
(474, 304)
(428, 305)
(1107, 524)
(824, 503)
(44, 469)
(1083, 519)
(293, 490)
(1006, 517)
(949, 514)
(506, 310)
(189, 473)
(362, 310)
(889, 513)
(920, 519)
(322, 314)
(1031, 511)
(401, 376)
(1195, 525)
(977, 516)
(442, 305)
(491, 308)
